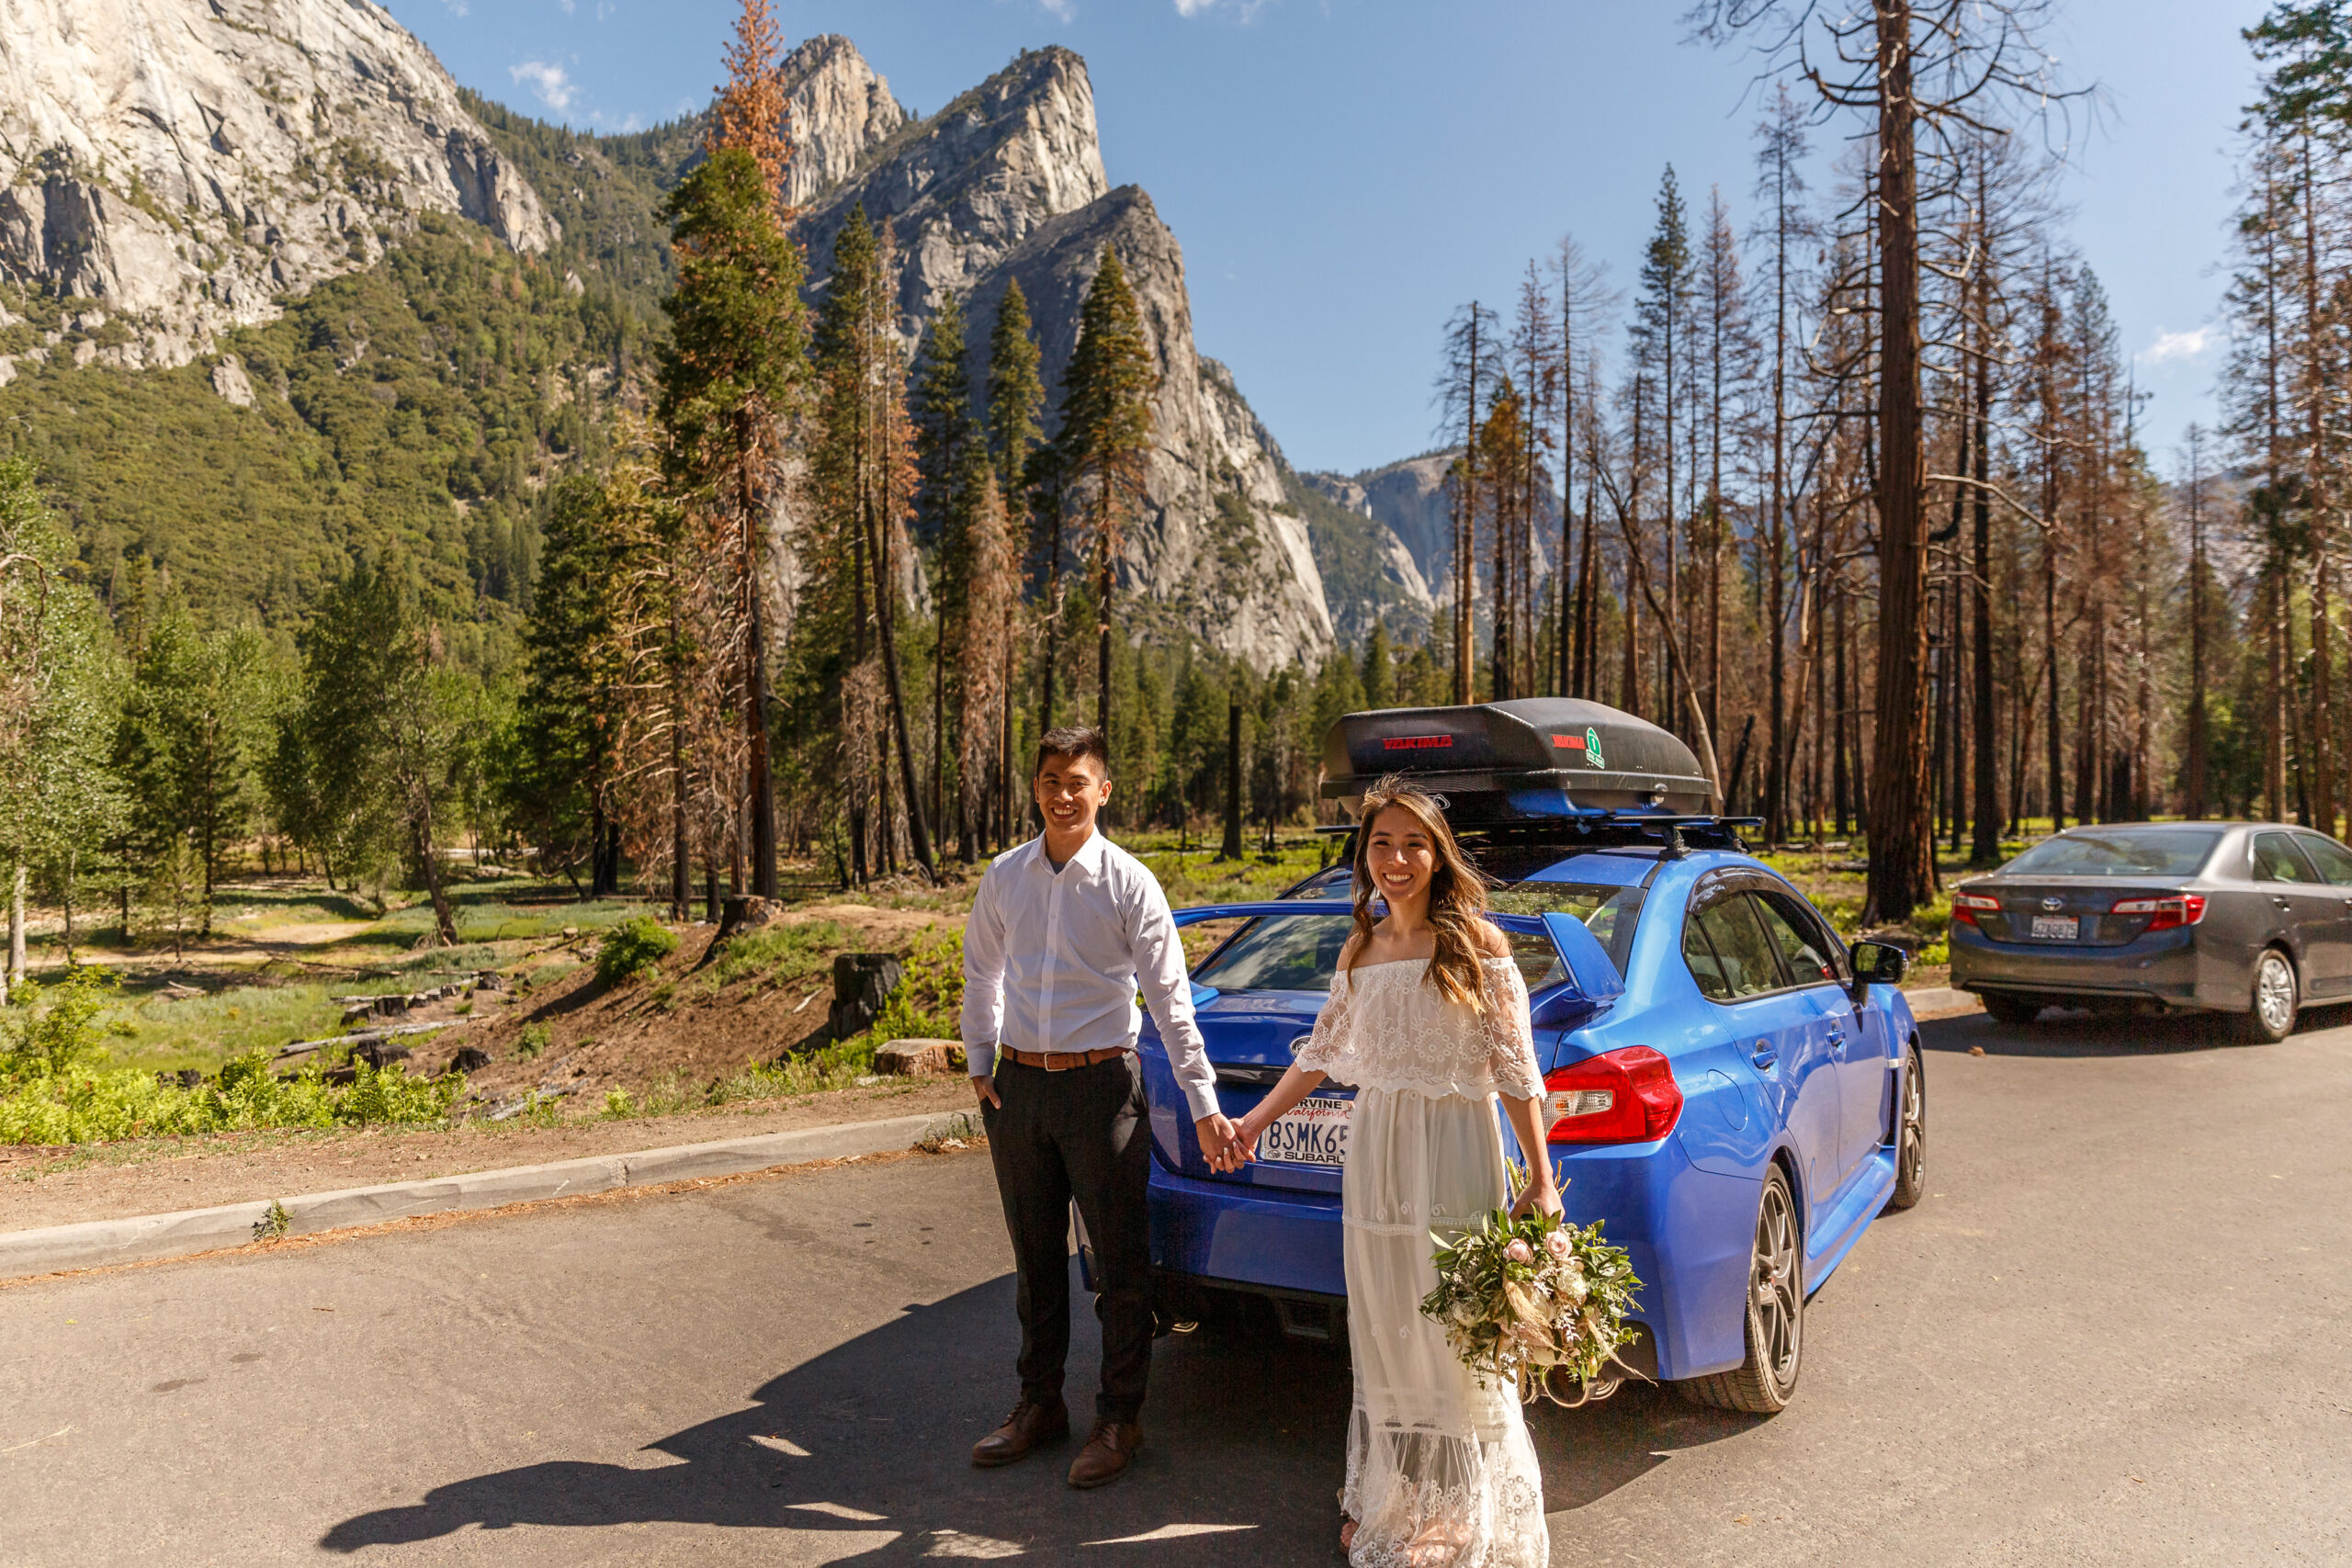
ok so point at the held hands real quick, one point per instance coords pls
(1222, 1143)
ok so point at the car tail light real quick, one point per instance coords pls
(2181, 909)
(1627, 1096)
(1965, 904)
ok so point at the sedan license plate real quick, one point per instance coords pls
(1313, 1131)
(2057, 927)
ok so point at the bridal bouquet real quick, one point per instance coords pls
(1520, 1298)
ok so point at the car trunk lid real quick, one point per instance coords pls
(2087, 902)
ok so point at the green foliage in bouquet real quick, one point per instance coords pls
(1520, 1298)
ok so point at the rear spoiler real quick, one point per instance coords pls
(1592, 976)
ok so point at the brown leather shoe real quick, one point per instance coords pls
(1029, 1425)
(1108, 1449)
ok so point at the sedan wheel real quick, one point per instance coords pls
(2272, 1017)
(1768, 1381)
(1911, 1134)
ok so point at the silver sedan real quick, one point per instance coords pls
(2252, 919)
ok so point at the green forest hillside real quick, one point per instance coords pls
(416, 410)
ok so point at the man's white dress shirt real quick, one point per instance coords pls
(1052, 962)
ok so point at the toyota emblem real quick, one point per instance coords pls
(2053, 902)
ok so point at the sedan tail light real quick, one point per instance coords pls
(2181, 909)
(1965, 904)
(1627, 1096)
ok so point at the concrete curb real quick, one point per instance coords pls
(96, 1243)
(1932, 1002)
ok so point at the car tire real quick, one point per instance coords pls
(1774, 1312)
(1911, 1133)
(2278, 997)
(2010, 1011)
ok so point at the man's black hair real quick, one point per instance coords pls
(1073, 740)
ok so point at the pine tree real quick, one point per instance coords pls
(1016, 396)
(946, 438)
(1106, 441)
(377, 702)
(194, 724)
(1379, 668)
(559, 779)
(1661, 333)
(751, 112)
(864, 467)
(732, 375)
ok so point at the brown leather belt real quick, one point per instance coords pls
(1061, 1061)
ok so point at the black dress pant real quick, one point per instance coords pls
(1082, 1133)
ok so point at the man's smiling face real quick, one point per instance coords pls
(1070, 792)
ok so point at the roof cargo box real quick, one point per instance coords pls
(1528, 759)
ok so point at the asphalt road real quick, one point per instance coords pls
(2115, 1333)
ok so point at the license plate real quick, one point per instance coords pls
(1313, 1131)
(2057, 927)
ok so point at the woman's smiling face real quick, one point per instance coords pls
(1400, 856)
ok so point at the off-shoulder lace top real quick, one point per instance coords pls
(1385, 1028)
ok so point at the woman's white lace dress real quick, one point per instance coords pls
(1441, 1473)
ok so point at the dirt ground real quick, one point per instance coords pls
(54, 1187)
(636, 1038)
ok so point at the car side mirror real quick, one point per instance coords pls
(1877, 962)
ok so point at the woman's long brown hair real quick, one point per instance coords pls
(1457, 891)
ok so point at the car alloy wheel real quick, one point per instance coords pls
(1911, 1134)
(2272, 1017)
(1775, 1298)
(1765, 1383)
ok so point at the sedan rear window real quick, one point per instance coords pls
(2141, 852)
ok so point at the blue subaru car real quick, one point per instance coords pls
(1729, 1087)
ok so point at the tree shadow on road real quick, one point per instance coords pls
(868, 1446)
(863, 1453)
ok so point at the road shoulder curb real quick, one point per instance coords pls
(142, 1238)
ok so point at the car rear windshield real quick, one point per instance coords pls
(2141, 852)
(1298, 953)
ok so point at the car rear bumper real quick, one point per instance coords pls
(2166, 967)
(1688, 1233)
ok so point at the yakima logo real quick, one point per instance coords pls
(1417, 743)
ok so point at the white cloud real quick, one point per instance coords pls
(1060, 10)
(1243, 11)
(2190, 344)
(569, 7)
(552, 85)
(457, 7)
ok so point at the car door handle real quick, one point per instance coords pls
(1837, 1041)
(1765, 1056)
(2282, 901)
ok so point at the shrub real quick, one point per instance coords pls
(634, 951)
(780, 954)
(534, 1041)
(56, 1088)
(617, 1104)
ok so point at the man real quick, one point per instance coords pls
(1063, 931)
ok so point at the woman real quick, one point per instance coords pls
(1428, 1020)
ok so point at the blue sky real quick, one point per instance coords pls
(1342, 173)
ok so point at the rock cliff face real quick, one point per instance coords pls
(1007, 182)
(185, 162)
(840, 108)
(1409, 502)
